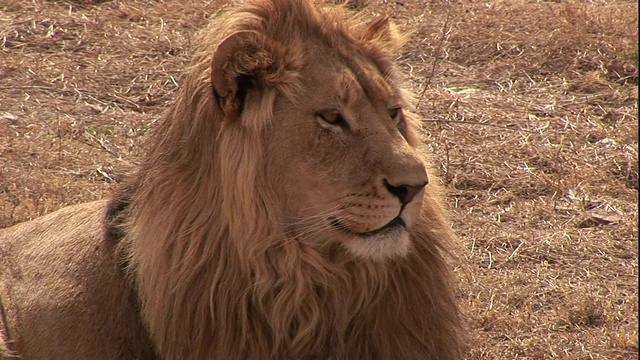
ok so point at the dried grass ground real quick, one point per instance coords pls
(530, 107)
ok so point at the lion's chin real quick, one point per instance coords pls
(388, 244)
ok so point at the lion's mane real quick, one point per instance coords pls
(203, 241)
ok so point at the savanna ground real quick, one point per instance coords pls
(530, 108)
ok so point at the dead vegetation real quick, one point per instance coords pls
(530, 108)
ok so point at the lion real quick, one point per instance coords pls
(285, 209)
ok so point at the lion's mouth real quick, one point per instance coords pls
(394, 224)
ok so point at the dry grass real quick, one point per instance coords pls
(530, 107)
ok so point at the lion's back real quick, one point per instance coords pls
(63, 293)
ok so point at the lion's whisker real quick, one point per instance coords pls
(335, 200)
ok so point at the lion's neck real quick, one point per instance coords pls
(309, 300)
(289, 301)
(204, 297)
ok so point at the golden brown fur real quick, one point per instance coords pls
(270, 218)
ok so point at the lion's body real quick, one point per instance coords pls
(63, 294)
(282, 212)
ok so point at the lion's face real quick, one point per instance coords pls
(339, 150)
(340, 159)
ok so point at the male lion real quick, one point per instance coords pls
(281, 212)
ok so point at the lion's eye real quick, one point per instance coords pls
(396, 114)
(333, 118)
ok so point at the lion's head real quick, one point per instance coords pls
(324, 110)
(285, 185)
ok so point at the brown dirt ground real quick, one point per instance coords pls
(531, 108)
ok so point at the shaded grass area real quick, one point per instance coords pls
(530, 109)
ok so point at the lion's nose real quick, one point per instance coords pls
(404, 192)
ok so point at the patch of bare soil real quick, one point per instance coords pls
(530, 108)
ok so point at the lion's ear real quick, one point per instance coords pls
(243, 61)
(384, 33)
